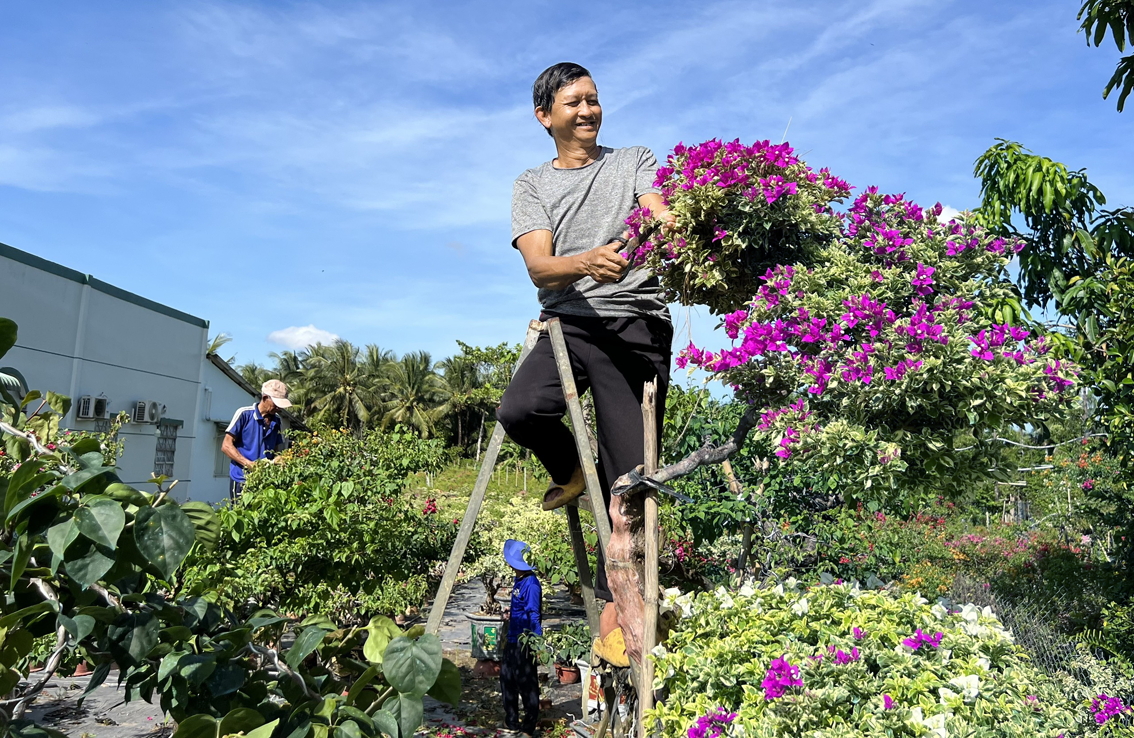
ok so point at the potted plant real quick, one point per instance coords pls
(561, 647)
(488, 628)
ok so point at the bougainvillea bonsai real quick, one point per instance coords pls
(874, 344)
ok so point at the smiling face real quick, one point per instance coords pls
(575, 115)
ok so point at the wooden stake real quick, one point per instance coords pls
(583, 564)
(650, 530)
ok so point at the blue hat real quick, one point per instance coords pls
(514, 554)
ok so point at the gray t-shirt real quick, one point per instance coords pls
(585, 208)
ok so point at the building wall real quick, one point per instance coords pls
(80, 336)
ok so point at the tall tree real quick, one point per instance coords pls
(1116, 17)
(460, 379)
(413, 393)
(342, 393)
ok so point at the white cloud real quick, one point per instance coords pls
(947, 214)
(297, 337)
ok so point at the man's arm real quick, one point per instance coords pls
(228, 448)
(603, 264)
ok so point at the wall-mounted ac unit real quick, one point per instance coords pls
(147, 411)
(101, 408)
(85, 408)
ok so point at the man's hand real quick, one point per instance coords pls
(604, 264)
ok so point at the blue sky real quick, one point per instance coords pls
(348, 166)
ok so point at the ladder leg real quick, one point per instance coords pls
(583, 564)
(453, 566)
(650, 578)
(579, 423)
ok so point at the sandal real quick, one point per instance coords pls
(558, 495)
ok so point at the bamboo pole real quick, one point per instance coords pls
(583, 564)
(582, 435)
(453, 565)
(650, 530)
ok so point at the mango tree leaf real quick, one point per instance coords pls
(59, 403)
(379, 632)
(197, 668)
(412, 666)
(227, 678)
(386, 722)
(348, 729)
(89, 566)
(42, 497)
(197, 726)
(121, 492)
(102, 521)
(62, 535)
(164, 536)
(308, 640)
(205, 522)
(240, 720)
(264, 731)
(40, 608)
(447, 688)
(169, 664)
(8, 333)
(97, 678)
(78, 627)
(409, 712)
(134, 638)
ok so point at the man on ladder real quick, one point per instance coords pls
(568, 222)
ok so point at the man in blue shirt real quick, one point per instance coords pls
(519, 680)
(254, 433)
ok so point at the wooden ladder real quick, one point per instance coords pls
(642, 673)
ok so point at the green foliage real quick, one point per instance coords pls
(94, 561)
(1104, 304)
(978, 682)
(547, 535)
(1116, 17)
(1067, 230)
(327, 530)
(563, 645)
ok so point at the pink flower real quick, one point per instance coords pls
(887, 702)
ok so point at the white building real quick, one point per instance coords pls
(111, 350)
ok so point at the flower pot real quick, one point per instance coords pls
(487, 635)
(567, 673)
(82, 669)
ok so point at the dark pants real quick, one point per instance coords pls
(234, 489)
(519, 684)
(614, 358)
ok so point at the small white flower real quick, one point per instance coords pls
(939, 611)
(726, 601)
(658, 651)
(747, 590)
(969, 686)
(778, 590)
(801, 607)
(946, 694)
(791, 583)
(936, 725)
(970, 613)
(984, 663)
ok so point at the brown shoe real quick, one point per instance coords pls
(558, 495)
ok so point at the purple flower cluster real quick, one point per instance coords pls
(711, 725)
(887, 702)
(781, 677)
(841, 657)
(858, 633)
(995, 337)
(919, 639)
(1104, 707)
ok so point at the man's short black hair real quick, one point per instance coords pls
(552, 80)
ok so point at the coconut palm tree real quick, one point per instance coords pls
(341, 391)
(413, 393)
(254, 374)
(460, 378)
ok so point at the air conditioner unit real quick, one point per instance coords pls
(139, 412)
(155, 411)
(101, 408)
(85, 408)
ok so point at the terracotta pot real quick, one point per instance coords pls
(82, 669)
(567, 673)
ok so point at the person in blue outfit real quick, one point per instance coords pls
(255, 434)
(519, 680)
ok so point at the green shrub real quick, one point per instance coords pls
(327, 530)
(975, 681)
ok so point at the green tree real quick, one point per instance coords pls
(342, 392)
(1116, 17)
(413, 393)
(461, 378)
(254, 374)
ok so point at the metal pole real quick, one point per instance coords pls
(453, 566)
(650, 530)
